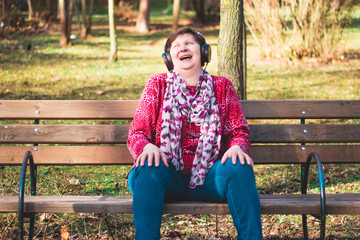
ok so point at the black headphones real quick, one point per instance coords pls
(205, 52)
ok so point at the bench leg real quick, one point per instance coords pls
(28, 159)
(304, 185)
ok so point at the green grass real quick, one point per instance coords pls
(82, 71)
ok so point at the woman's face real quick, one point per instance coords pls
(185, 53)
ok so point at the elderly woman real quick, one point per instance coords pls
(190, 141)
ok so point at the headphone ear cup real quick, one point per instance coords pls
(168, 61)
(205, 54)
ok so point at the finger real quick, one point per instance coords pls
(156, 158)
(138, 160)
(233, 159)
(249, 161)
(224, 158)
(241, 158)
(163, 158)
(150, 159)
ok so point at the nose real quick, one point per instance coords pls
(183, 48)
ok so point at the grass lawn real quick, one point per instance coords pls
(82, 71)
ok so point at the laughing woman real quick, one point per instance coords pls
(190, 141)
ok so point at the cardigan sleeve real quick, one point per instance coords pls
(143, 127)
(235, 130)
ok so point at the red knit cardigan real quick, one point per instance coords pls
(146, 125)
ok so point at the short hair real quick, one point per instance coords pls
(199, 38)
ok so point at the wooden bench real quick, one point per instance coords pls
(286, 138)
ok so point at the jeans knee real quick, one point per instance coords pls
(150, 175)
(238, 171)
(151, 169)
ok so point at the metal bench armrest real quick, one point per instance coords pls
(304, 186)
(28, 160)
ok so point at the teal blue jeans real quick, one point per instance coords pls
(234, 184)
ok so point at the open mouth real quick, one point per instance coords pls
(185, 57)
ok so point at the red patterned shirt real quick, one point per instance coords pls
(146, 125)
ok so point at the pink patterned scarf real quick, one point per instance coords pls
(204, 112)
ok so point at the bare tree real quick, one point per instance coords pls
(83, 32)
(2, 8)
(86, 18)
(78, 20)
(176, 14)
(65, 21)
(112, 29)
(232, 45)
(30, 9)
(185, 4)
(91, 9)
(142, 23)
(199, 7)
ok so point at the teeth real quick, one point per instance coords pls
(185, 57)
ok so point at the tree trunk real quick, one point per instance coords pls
(2, 24)
(231, 49)
(64, 22)
(176, 13)
(185, 4)
(199, 7)
(91, 10)
(112, 29)
(2, 7)
(30, 9)
(78, 20)
(83, 33)
(142, 24)
(69, 17)
(59, 11)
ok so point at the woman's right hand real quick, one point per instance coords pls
(153, 154)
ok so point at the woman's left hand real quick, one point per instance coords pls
(235, 152)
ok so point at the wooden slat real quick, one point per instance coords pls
(67, 155)
(293, 154)
(295, 109)
(43, 134)
(67, 109)
(108, 109)
(68, 204)
(270, 204)
(119, 155)
(308, 133)
(344, 203)
(87, 134)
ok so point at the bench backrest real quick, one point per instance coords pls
(76, 132)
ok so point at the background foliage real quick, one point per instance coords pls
(298, 28)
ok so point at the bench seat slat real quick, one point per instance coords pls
(270, 204)
(109, 134)
(119, 155)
